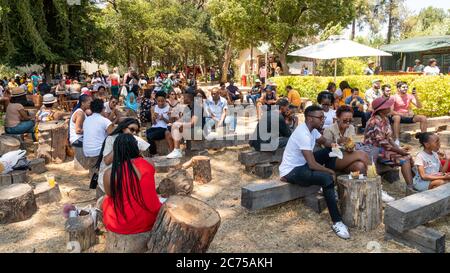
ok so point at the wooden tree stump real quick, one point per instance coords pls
(130, 243)
(81, 229)
(45, 194)
(17, 203)
(5, 180)
(52, 141)
(201, 166)
(19, 176)
(162, 148)
(38, 166)
(264, 170)
(360, 202)
(163, 164)
(177, 182)
(184, 225)
(8, 144)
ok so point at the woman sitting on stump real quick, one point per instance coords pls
(17, 119)
(131, 203)
(430, 173)
(126, 126)
(342, 132)
(380, 144)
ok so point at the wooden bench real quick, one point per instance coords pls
(403, 218)
(263, 195)
(259, 162)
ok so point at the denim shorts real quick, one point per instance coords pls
(420, 185)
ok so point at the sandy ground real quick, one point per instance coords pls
(290, 227)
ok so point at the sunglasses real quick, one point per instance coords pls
(347, 121)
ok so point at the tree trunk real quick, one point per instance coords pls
(81, 229)
(126, 243)
(391, 9)
(184, 225)
(8, 144)
(45, 194)
(52, 141)
(227, 60)
(201, 169)
(360, 202)
(352, 37)
(177, 182)
(17, 203)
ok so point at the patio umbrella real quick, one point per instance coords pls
(336, 48)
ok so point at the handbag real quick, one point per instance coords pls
(22, 164)
(94, 181)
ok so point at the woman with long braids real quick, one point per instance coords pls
(131, 203)
(126, 126)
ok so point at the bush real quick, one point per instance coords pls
(433, 91)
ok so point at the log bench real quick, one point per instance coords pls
(263, 195)
(259, 162)
(403, 219)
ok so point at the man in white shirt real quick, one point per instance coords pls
(373, 93)
(95, 129)
(216, 112)
(302, 166)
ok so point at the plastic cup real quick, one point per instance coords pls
(51, 180)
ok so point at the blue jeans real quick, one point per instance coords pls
(254, 98)
(21, 128)
(229, 120)
(305, 177)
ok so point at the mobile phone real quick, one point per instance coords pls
(414, 90)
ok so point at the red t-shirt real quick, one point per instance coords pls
(402, 103)
(138, 219)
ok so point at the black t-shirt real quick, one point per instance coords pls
(283, 129)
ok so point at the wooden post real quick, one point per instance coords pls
(17, 203)
(81, 229)
(8, 144)
(52, 141)
(45, 194)
(360, 202)
(184, 225)
(201, 166)
(177, 182)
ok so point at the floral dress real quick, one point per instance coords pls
(378, 133)
(146, 105)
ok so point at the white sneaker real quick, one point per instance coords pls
(397, 142)
(176, 153)
(385, 197)
(341, 230)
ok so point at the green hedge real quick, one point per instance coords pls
(433, 91)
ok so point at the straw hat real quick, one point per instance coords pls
(48, 99)
(17, 92)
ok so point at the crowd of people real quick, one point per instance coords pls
(111, 110)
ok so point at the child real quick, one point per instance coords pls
(429, 173)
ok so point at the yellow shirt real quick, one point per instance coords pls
(294, 98)
(345, 94)
(30, 87)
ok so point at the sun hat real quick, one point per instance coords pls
(381, 104)
(48, 99)
(375, 81)
(85, 91)
(257, 80)
(371, 62)
(17, 92)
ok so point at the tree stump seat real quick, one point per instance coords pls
(9, 143)
(45, 194)
(17, 203)
(52, 138)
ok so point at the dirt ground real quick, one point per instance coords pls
(290, 227)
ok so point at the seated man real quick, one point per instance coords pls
(216, 109)
(269, 97)
(265, 143)
(223, 92)
(357, 103)
(402, 110)
(294, 97)
(303, 167)
(373, 93)
(255, 92)
(234, 92)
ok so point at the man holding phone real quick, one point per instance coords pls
(402, 112)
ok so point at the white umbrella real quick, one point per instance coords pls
(336, 48)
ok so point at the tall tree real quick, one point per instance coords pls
(47, 31)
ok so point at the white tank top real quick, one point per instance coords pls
(73, 136)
